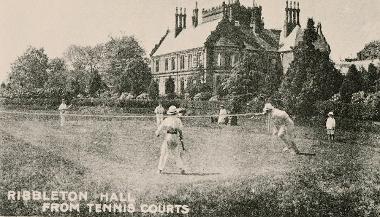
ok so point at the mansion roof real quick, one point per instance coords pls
(234, 25)
(195, 37)
(189, 38)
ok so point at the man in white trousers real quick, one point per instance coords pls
(159, 111)
(223, 116)
(62, 110)
(283, 126)
(171, 127)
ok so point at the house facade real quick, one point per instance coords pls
(216, 39)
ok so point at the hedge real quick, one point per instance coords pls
(128, 106)
(357, 111)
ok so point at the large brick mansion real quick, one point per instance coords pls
(202, 43)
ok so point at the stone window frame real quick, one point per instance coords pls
(166, 64)
(190, 61)
(182, 62)
(157, 63)
(173, 63)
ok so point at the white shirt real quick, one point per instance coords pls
(159, 110)
(170, 123)
(280, 118)
(222, 115)
(330, 123)
(62, 108)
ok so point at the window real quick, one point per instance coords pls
(200, 59)
(173, 63)
(219, 59)
(197, 59)
(227, 60)
(233, 59)
(182, 62)
(166, 64)
(157, 65)
(190, 61)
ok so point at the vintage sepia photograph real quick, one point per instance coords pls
(246, 108)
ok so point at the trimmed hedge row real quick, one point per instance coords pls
(127, 106)
(357, 111)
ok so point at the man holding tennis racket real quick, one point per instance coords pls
(283, 126)
(62, 110)
(172, 129)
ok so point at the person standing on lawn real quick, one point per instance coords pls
(62, 110)
(159, 111)
(283, 126)
(330, 126)
(223, 115)
(172, 128)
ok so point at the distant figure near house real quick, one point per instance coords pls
(330, 126)
(159, 111)
(223, 115)
(62, 110)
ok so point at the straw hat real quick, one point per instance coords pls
(268, 107)
(331, 114)
(172, 110)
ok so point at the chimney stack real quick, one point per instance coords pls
(180, 18)
(225, 12)
(195, 15)
(294, 22)
(292, 18)
(230, 17)
(178, 22)
(298, 14)
(184, 18)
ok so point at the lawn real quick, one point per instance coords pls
(231, 171)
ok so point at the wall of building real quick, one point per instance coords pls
(179, 65)
(286, 59)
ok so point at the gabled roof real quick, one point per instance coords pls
(264, 40)
(291, 41)
(244, 37)
(296, 36)
(188, 38)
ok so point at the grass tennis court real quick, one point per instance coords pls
(238, 170)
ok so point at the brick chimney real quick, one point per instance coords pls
(195, 15)
(184, 18)
(176, 22)
(292, 18)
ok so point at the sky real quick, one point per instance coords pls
(56, 24)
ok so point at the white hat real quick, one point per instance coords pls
(331, 113)
(172, 110)
(268, 107)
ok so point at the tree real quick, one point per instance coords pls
(369, 78)
(200, 82)
(311, 76)
(126, 69)
(352, 83)
(170, 88)
(56, 79)
(96, 84)
(29, 71)
(153, 90)
(86, 62)
(254, 75)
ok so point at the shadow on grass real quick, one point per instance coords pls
(27, 167)
(191, 174)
